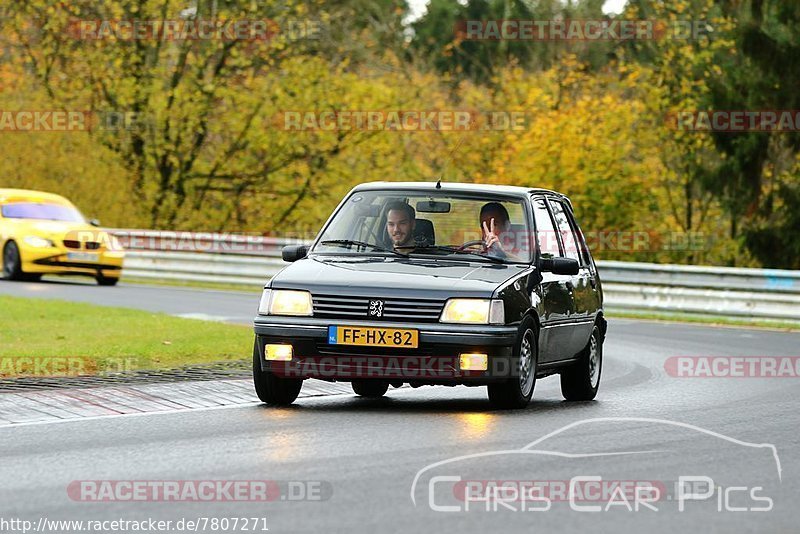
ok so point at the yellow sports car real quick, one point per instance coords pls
(42, 233)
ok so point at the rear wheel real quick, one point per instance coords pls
(372, 389)
(516, 392)
(272, 389)
(12, 264)
(581, 381)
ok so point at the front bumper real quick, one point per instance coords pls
(56, 260)
(435, 361)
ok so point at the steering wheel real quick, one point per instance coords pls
(473, 243)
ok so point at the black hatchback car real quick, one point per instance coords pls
(436, 284)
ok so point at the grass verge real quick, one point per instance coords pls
(55, 338)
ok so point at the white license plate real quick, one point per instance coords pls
(82, 256)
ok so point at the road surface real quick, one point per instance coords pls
(344, 464)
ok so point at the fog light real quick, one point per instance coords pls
(473, 362)
(281, 353)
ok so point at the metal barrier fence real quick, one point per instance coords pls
(250, 260)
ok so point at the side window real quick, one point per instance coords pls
(584, 249)
(571, 243)
(545, 231)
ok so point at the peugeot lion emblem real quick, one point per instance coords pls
(376, 308)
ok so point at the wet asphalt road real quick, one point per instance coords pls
(367, 463)
(229, 306)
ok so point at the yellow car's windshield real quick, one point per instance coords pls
(41, 211)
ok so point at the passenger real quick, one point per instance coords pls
(495, 225)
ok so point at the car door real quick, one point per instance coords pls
(582, 286)
(557, 304)
(594, 299)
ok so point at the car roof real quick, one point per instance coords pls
(459, 187)
(29, 195)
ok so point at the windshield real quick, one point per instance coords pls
(416, 224)
(37, 210)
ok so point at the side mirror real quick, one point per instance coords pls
(292, 253)
(560, 265)
(94, 222)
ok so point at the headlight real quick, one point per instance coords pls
(473, 311)
(38, 242)
(285, 302)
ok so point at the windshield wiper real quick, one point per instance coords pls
(453, 249)
(363, 244)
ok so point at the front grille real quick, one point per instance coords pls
(88, 245)
(395, 309)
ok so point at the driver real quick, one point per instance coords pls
(495, 223)
(400, 221)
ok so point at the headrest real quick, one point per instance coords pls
(424, 233)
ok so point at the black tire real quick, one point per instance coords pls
(272, 389)
(582, 380)
(371, 389)
(12, 264)
(106, 281)
(517, 391)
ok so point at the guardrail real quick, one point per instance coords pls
(725, 291)
(249, 260)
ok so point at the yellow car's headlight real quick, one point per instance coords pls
(285, 302)
(38, 242)
(473, 311)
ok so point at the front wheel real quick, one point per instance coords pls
(272, 389)
(581, 381)
(12, 264)
(371, 389)
(516, 392)
(106, 280)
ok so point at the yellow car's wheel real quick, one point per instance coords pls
(106, 281)
(12, 264)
